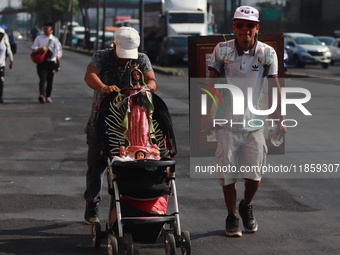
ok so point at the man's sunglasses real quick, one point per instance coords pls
(249, 25)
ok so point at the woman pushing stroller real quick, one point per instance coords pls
(108, 71)
(132, 124)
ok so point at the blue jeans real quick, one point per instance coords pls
(95, 170)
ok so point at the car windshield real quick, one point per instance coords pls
(307, 40)
(327, 41)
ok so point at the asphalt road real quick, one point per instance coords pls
(43, 166)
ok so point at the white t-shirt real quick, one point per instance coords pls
(244, 70)
(55, 45)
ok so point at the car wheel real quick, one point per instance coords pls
(324, 65)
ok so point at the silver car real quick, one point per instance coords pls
(333, 45)
(327, 40)
(335, 50)
(305, 49)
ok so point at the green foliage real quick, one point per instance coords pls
(51, 10)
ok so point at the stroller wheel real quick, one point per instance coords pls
(128, 244)
(96, 234)
(185, 243)
(112, 245)
(169, 244)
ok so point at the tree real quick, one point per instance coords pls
(10, 19)
(52, 10)
(84, 6)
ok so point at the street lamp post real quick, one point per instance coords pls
(97, 26)
(141, 24)
(104, 23)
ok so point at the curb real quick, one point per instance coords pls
(298, 75)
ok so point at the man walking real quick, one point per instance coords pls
(5, 52)
(244, 62)
(47, 42)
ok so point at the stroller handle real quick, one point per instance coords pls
(145, 163)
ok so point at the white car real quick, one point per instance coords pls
(306, 49)
(78, 35)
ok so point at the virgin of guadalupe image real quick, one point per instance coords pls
(139, 129)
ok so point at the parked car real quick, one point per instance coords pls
(129, 23)
(333, 45)
(109, 36)
(74, 34)
(78, 35)
(305, 49)
(327, 40)
(17, 35)
(173, 49)
(335, 50)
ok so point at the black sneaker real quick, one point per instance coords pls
(232, 228)
(91, 213)
(249, 221)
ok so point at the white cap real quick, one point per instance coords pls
(247, 13)
(2, 31)
(127, 42)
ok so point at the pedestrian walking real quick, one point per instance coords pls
(35, 32)
(5, 53)
(13, 42)
(108, 71)
(244, 62)
(49, 44)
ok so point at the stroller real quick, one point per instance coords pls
(141, 179)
